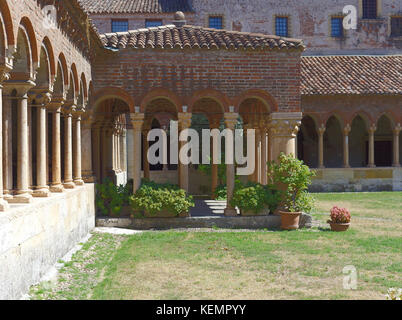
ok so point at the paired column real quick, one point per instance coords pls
(184, 123)
(321, 131)
(283, 130)
(68, 147)
(77, 175)
(396, 131)
(371, 160)
(230, 122)
(3, 203)
(346, 131)
(137, 120)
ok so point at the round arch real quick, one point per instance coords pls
(75, 81)
(7, 24)
(160, 93)
(46, 44)
(64, 69)
(112, 92)
(26, 24)
(217, 96)
(267, 99)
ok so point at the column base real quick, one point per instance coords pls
(7, 196)
(21, 198)
(3, 205)
(371, 166)
(230, 212)
(397, 165)
(69, 185)
(89, 179)
(346, 166)
(321, 167)
(41, 193)
(58, 188)
(79, 182)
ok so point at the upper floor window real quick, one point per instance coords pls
(337, 27)
(119, 25)
(282, 26)
(369, 9)
(153, 23)
(215, 22)
(396, 26)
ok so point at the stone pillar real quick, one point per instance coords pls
(184, 123)
(283, 130)
(230, 123)
(145, 148)
(346, 131)
(321, 131)
(214, 124)
(77, 158)
(86, 145)
(68, 147)
(396, 131)
(23, 194)
(257, 170)
(41, 100)
(371, 159)
(137, 120)
(264, 151)
(55, 107)
(97, 152)
(3, 203)
(124, 150)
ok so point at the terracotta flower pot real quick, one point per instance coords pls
(339, 226)
(290, 220)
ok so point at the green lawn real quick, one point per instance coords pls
(303, 264)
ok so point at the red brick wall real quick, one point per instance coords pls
(186, 71)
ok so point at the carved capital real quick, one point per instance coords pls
(231, 119)
(397, 129)
(137, 120)
(372, 128)
(41, 97)
(321, 129)
(184, 120)
(347, 129)
(285, 127)
(4, 73)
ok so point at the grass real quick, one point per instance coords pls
(303, 264)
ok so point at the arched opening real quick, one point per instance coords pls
(358, 143)
(307, 142)
(383, 140)
(333, 144)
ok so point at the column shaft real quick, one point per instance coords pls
(3, 203)
(56, 151)
(137, 120)
(7, 149)
(321, 132)
(68, 150)
(263, 156)
(145, 147)
(397, 130)
(371, 158)
(346, 131)
(77, 166)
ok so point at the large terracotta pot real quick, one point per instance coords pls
(339, 226)
(290, 220)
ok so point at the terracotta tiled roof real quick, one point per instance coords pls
(328, 75)
(170, 36)
(135, 6)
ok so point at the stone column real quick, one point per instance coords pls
(283, 130)
(41, 100)
(137, 120)
(321, 131)
(346, 131)
(7, 153)
(124, 150)
(23, 193)
(257, 170)
(145, 148)
(68, 147)
(3, 76)
(214, 124)
(396, 130)
(97, 151)
(55, 107)
(230, 122)
(86, 145)
(264, 150)
(77, 158)
(184, 123)
(371, 159)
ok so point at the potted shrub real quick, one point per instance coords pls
(292, 178)
(161, 201)
(340, 219)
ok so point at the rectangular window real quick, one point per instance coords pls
(281, 26)
(216, 22)
(153, 23)
(396, 26)
(337, 27)
(369, 9)
(119, 25)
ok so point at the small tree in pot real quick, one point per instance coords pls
(292, 177)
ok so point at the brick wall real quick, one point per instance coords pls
(186, 71)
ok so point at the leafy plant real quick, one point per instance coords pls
(254, 197)
(110, 198)
(220, 192)
(153, 198)
(293, 178)
(339, 215)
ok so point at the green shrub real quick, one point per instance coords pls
(294, 177)
(153, 198)
(110, 198)
(220, 192)
(255, 197)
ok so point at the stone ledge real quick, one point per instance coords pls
(271, 222)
